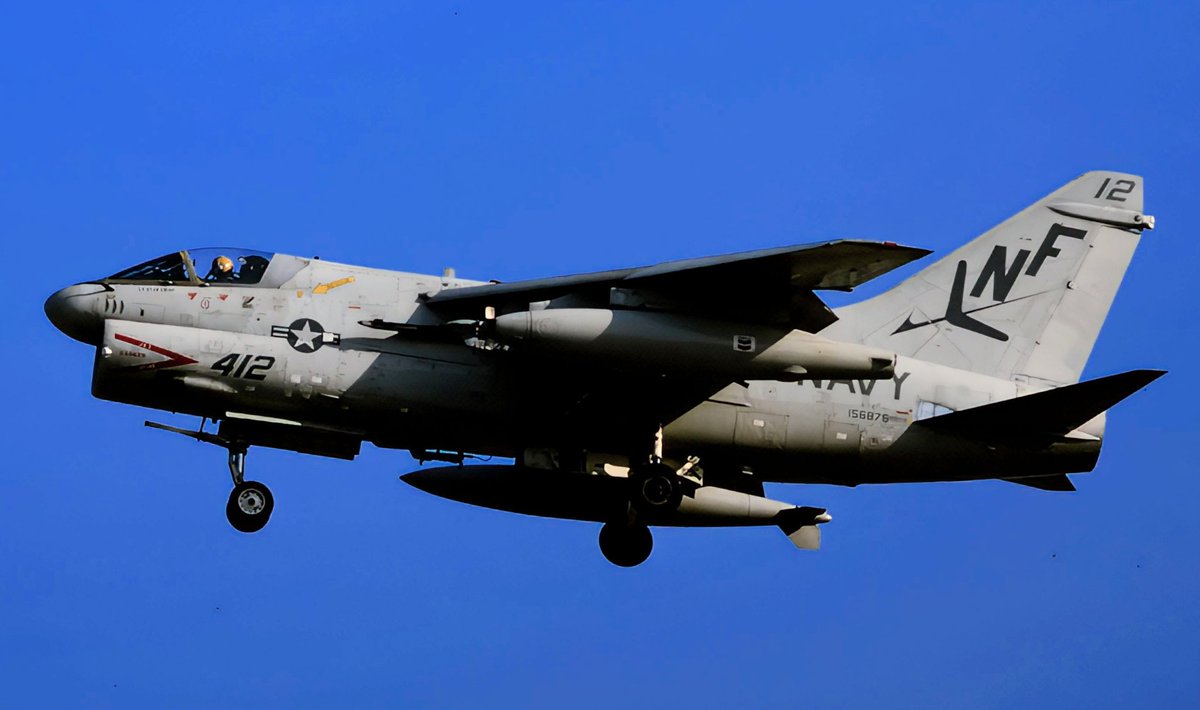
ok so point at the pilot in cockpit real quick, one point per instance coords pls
(222, 270)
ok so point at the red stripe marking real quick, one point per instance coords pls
(174, 359)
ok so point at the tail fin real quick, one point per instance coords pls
(1026, 299)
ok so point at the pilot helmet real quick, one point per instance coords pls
(222, 264)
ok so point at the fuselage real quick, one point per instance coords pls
(656, 395)
(303, 347)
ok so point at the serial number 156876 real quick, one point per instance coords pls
(869, 416)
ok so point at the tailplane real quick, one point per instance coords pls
(1041, 416)
(1026, 299)
(1045, 420)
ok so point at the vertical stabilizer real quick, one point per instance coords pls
(1024, 300)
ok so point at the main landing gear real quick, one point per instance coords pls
(654, 489)
(250, 502)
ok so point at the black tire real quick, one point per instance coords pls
(626, 545)
(250, 505)
(656, 487)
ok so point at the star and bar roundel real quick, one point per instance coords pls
(305, 335)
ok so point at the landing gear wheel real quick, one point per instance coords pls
(250, 506)
(656, 487)
(626, 545)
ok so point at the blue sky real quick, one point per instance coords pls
(513, 142)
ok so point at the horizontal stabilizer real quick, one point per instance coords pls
(1053, 412)
(1058, 482)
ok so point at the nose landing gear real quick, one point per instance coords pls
(250, 503)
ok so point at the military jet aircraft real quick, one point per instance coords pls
(657, 395)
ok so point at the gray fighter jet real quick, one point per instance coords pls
(658, 395)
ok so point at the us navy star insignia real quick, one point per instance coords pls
(305, 335)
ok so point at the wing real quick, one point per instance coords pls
(766, 286)
(615, 406)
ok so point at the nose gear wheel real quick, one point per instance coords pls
(250, 505)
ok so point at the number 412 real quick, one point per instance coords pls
(235, 365)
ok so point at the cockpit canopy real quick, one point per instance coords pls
(236, 267)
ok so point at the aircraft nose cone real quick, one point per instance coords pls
(73, 310)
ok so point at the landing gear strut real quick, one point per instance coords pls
(626, 545)
(655, 490)
(250, 502)
(655, 486)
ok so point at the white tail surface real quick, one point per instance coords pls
(1026, 299)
